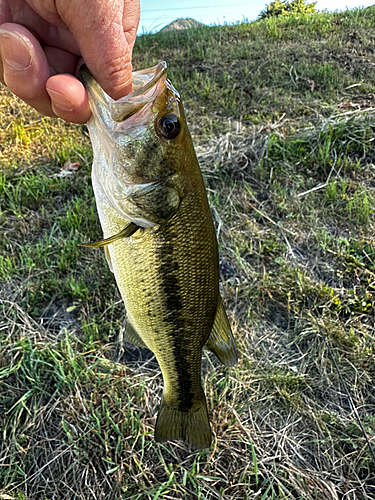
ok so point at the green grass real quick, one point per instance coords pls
(245, 73)
(280, 112)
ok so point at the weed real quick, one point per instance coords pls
(283, 128)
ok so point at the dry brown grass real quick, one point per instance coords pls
(292, 201)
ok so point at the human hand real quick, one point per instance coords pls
(42, 43)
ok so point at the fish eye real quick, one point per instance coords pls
(168, 126)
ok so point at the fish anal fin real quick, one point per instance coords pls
(132, 336)
(221, 341)
(193, 427)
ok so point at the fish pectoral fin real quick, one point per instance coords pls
(221, 341)
(125, 233)
(108, 258)
(132, 336)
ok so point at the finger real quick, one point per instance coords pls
(130, 21)
(42, 22)
(69, 98)
(5, 13)
(60, 61)
(25, 67)
(106, 43)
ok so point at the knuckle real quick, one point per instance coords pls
(118, 74)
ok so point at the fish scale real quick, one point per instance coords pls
(150, 193)
(156, 278)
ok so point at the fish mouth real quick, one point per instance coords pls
(147, 84)
(119, 116)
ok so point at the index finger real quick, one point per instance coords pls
(107, 41)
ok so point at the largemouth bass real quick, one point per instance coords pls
(160, 242)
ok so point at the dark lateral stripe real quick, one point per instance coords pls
(174, 323)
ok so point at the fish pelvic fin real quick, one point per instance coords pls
(193, 427)
(108, 258)
(132, 336)
(221, 341)
(125, 233)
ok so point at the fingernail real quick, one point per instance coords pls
(60, 101)
(15, 51)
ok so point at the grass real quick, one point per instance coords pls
(282, 119)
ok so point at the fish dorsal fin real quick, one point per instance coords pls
(125, 233)
(132, 336)
(221, 341)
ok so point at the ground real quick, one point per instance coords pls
(282, 116)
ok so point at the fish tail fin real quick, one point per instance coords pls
(193, 427)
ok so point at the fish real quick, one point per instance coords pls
(160, 242)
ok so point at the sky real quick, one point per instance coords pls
(155, 15)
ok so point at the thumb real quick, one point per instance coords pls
(105, 31)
